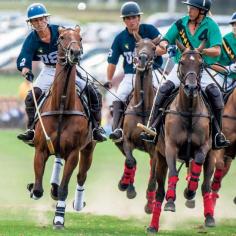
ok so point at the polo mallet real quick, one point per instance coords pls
(48, 139)
(140, 125)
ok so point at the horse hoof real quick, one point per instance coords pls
(190, 203)
(148, 208)
(131, 193)
(36, 194)
(30, 187)
(80, 208)
(54, 191)
(210, 221)
(235, 200)
(58, 226)
(151, 230)
(189, 195)
(122, 187)
(170, 206)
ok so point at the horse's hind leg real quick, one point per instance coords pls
(70, 164)
(160, 171)
(151, 190)
(36, 189)
(208, 196)
(86, 157)
(126, 182)
(55, 177)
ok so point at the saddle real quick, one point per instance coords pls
(81, 95)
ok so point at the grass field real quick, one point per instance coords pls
(108, 212)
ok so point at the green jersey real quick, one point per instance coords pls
(207, 30)
(228, 52)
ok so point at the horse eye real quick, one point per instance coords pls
(61, 38)
(80, 39)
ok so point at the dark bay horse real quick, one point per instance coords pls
(186, 136)
(66, 124)
(138, 111)
(225, 156)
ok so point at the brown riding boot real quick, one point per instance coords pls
(118, 109)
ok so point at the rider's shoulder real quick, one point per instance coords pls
(210, 21)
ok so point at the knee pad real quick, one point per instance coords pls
(199, 158)
(215, 96)
(95, 97)
(167, 87)
(29, 100)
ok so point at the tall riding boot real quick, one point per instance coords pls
(28, 135)
(118, 110)
(98, 132)
(218, 137)
(163, 93)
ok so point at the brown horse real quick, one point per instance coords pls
(66, 124)
(138, 111)
(225, 156)
(186, 136)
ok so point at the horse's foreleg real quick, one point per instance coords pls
(36, 189)
(86, 157)
(171, 152)
(127, 180)
(70, 164)
(195, 172)
(161, 171)
(55, 177)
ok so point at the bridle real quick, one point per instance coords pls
(143, 59)
(183, 76)
(68, 57)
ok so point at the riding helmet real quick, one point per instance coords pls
(130, 9)
(233, 18)
(201, 4)
(36, 10)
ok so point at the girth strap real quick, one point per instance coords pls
(229, 117)
(55, 113)
(137, 113)
(187, 114)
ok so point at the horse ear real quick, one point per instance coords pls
(137, 36)
(61, 29)
(202, 46)
(180, 46)
(157, 39)
(77, 28)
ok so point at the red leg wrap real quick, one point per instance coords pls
(216, 183)
(209, 201)
(194, 178)
(127, 175)
(156, 216)
(133, 174)
(151, 197)
(172, 181)
(214, 197)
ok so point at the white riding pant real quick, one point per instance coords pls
(230, 83)
(46, 78)
(127, 85)
(205, 80)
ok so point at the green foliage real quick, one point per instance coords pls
(9, 84)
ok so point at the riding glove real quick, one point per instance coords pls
(232, 67)
(171, 50)
(29, 76)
